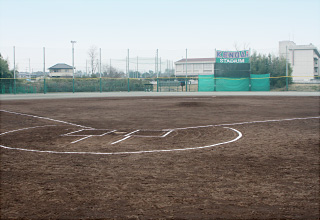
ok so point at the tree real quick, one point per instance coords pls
(4, 69)
(92, 53)
(275, 66)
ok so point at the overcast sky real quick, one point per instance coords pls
(146, 25)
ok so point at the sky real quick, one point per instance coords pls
(143, 26)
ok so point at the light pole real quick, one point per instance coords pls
(73, 42)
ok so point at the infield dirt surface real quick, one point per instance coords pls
(160, 158)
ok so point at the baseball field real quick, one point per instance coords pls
(149, 157)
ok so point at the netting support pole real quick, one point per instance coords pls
(128, 84)
(100, 86)
(157, 84)
(287, 68)
(186, 69)
(73, 85)
(44, 86)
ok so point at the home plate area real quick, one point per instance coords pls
(64, 139)
(130, 140)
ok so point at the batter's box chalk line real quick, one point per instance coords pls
(125, 134)
(131, 134)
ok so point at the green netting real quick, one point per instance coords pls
(232, 84)
(169, 85)
(260, 82)
(206, 83)
(49, 85)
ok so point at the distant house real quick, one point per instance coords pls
(61, 70)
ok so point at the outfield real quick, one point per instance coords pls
(151, 155)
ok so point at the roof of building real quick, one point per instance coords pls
(195, 60)
(305, 47)
(61, 66)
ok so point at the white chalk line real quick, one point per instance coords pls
(26, 129)
(121, 140)
(131, 152)
(45, 118)
(81, 139)
(250, 122)
(169, 131)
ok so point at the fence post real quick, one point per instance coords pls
(128, 84)
(157, 84)
(15, 86)
(100, 86)
(186, 84)
(73, 85)
(44, 86)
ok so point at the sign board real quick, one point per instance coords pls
(233, 56)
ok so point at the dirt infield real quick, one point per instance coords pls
(160, 158)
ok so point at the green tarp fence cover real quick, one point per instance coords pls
(232, 84)
(260, 82)
(206, 83)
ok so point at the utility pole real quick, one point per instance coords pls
(287, 68)
(100, 64)
(44, 62)
(14, 62)
(110, 67)
(186, 70)
(14, 69)
(29, 67)
(44, 71)
(157, 59)
(160, 66)
(73, 42)
(128, 65)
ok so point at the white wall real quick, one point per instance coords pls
(302, 64)
(194, 69)
(62, 73)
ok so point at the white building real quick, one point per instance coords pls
(61, 70)
(304, 60)
(195, 66)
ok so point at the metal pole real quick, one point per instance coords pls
(157, 71)
(160, 67)
(100, 64)
(14, 69)
(157, 60)
(186, 69)
(128, 65)
(73, 42)
(287, 68)
(110, 67)
(44, 71)
(138, 67)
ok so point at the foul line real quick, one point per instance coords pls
(45, 118)
(128, 135)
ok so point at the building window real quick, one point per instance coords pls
(207, 66)
(189, 66)
(197, 66)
